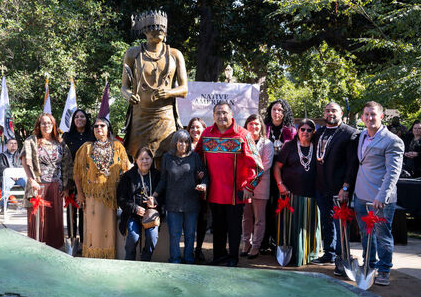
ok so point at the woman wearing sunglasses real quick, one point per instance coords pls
(97, 170)
(295, 174)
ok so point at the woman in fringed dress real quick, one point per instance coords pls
(97, 170)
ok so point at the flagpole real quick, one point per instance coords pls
(47, 99)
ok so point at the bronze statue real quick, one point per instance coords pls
(149, 86)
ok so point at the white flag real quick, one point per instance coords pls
(47, 101)
(69, 108)
(5, 114)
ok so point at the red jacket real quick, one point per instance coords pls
(232, 160)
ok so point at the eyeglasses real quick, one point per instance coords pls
(99, 125)
(309, 130)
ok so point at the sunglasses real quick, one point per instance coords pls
(100, 125)
(309, 130)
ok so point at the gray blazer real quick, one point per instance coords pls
(380, 167)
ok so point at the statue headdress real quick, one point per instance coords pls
(149, 21)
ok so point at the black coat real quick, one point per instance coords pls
(4, 163)
(75, 140)
(129, 184)
(412, 165)
(340, 162)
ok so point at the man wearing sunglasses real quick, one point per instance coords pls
(337, 166)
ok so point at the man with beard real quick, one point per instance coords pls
(337, 166)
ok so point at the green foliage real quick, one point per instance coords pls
(330, 77)
(371, 51)
(63, 38)
(308, 52)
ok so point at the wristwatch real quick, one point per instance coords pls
(345, 188)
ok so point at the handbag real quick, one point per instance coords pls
(151, 218)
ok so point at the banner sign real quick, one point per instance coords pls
(202, 97)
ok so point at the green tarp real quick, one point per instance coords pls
(33, 269)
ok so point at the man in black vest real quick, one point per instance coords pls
(337, 166)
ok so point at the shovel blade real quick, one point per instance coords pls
(71, 246)
(364, 282)
(351, 269)
(283, 255)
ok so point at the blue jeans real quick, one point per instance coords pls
(9, 183)
(330, 226)
(382, 239)
(178, 222)
(134, 232)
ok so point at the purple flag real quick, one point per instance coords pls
(104, 110)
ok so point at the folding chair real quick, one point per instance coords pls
(15, 190)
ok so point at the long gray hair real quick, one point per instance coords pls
(180, 135)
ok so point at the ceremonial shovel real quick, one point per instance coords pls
(72, 243)
(284, 252)
(41, 193)
(349, 265)
(365, 274)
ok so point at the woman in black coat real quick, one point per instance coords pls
(134, 197)
(79, 133)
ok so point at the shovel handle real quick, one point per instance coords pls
(71, 220)
(371, 204)
(284, 229)
(279, 228)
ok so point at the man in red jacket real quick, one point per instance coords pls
(235, 169)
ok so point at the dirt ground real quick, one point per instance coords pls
(402, 285)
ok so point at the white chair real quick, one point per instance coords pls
(15, 190)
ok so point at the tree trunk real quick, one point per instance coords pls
(263, 94)
(209, 65)
(261, 71)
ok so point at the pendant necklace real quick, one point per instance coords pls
(305, 160)
(321, 147)
(144, 186)
(277, 143)
(165, 53)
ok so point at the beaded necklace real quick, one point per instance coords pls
(321, 147)
(103, 156)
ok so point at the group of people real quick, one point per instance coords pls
(237, 172)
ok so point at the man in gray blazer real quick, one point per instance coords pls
(380, 153)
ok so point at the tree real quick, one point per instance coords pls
(379, 39)
(58, 37)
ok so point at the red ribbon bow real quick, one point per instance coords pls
(370, 219)
(343, 213)
(37, 202)
(284, 203)
(70, 200)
